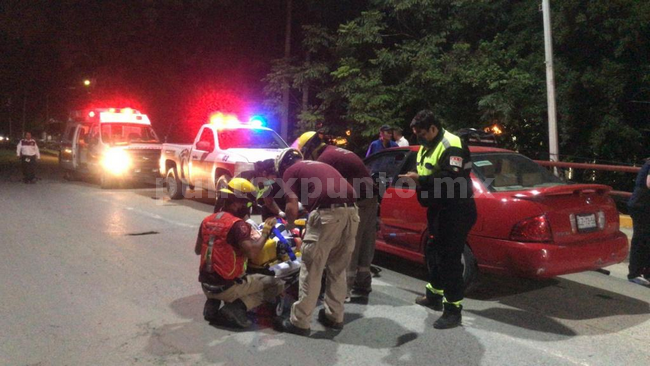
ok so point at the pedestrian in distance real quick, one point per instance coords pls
(329, 238)
(400, 140)
(639, 208)
(225, 242)
(444, 187)
(385, 141)
(27, 151)
(352, 168)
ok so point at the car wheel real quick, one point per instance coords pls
(222, 182)
(470, 269)
(174, 187)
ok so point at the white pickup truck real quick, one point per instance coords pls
(219, 152)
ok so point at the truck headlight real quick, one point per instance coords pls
(116, 161)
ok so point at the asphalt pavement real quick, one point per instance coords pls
(109, 277)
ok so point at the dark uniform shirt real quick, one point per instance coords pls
(640, 199)
(316, 184)
(351, 168)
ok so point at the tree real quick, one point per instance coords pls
(476, 63)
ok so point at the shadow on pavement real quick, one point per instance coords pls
(377, 340)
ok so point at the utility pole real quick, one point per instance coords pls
(553, 148)
(24, 113)
(284, 124)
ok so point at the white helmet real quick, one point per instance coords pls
(287, 158)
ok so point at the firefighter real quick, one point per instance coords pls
(328, 242)
(443, 185)
(225, 244)
(352, 168)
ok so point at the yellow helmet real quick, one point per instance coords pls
(240, 188)
(303, 139)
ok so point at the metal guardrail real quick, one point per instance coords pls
(587, 166)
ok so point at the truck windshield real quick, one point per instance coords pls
(512, 172)
(126, 133)
(244, 138)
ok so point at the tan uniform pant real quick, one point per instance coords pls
(254, 289)
(328, 246)
(364, 246)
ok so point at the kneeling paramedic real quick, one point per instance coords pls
(445, 188)
(225, 244)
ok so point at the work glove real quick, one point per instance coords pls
(269, 224)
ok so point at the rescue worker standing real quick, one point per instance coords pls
(27, 151)
(639, 207)
(328, 242)
(352, 168)
(225, 245)
(445, 188)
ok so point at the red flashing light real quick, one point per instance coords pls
(221, 120)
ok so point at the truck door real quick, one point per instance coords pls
(80, 146)
(66, 152)
(202, 159)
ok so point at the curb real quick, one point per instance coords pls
(625, 221)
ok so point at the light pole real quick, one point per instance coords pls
(553, 148)
(284, 123)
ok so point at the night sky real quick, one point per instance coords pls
(175, 60)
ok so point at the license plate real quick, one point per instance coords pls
(586, 222)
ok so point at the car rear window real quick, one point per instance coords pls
(512, 172)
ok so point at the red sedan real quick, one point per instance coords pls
(530, 223)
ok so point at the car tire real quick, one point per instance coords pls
(222, 182)
(174, 186)
(470, 270)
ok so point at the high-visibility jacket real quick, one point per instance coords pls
(444, 171)
(217, 255)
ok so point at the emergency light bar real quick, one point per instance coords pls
(230, 120)
(121, 117)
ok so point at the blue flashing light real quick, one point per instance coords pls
(257, 121)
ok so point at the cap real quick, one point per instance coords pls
(386, 128)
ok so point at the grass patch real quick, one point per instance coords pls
(8, 157)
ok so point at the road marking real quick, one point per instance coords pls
(150, 215)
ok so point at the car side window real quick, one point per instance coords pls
(207, 136)
(386, 165)
(408, 166)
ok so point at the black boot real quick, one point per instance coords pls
(430, 300)
(235, 314)
(211, 310)
(451, 317)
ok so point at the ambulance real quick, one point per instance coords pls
(115, 145)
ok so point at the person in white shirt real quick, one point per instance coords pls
(399, 138)
(27, 151)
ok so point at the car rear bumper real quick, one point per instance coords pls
(543, 260)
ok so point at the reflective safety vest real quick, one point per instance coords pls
(427, 161)
(216, 254)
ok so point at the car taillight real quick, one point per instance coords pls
(534, 229)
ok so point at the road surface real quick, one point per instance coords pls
(109, 277)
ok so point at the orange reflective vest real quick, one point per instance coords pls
(217, 256)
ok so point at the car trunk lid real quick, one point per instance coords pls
(576, 213)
